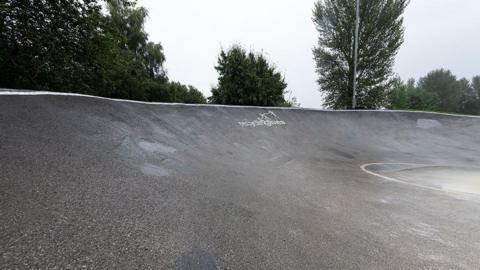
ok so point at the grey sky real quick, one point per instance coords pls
(439, 33)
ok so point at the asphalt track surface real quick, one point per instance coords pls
(103, 184)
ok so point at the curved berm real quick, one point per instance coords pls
(89, 182)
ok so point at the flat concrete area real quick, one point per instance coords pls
(102, 184)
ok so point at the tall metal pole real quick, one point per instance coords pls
(355, 56)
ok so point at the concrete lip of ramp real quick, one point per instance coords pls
(88, 182)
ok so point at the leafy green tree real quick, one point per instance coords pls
(380, 37)
(408, 97)
(193, 96)
(127, 23)
(247, 79)
(73, 46)
(398, 95)
(174, 92)
(421, 100)
(43, 43)
(444, 85)
(469, 101)
(476, 92)
(141, 60)
(186, 94)
(439, 91)
(476, 85)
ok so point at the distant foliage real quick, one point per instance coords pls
(440, 91)
(74, 46)
(248, 79)
(174, 92)
(187, 94)
(408, 96)
(380, 36)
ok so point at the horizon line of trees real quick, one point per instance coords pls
(85, 46)
(439, 90)
(100, 47)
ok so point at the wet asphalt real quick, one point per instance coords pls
(102, 184)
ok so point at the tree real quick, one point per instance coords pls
(141, 61)
(186, 94)
(469, 99)
(247, 79)
(73, 46)
(398, 95)
(174, 92)
(380, 36)
(194, 96)
(127, 23)
(476, 90)
(439, 91)
(42, 43)
(444, 85)
(408, 97)
(476, 85)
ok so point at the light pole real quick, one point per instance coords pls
(355, 56)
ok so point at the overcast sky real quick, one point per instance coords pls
(439, 33)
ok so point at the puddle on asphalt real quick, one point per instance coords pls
(448, 178)
(427, 123)
(153, 147)
(150, 169)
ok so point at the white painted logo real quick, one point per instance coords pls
(268, 119)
